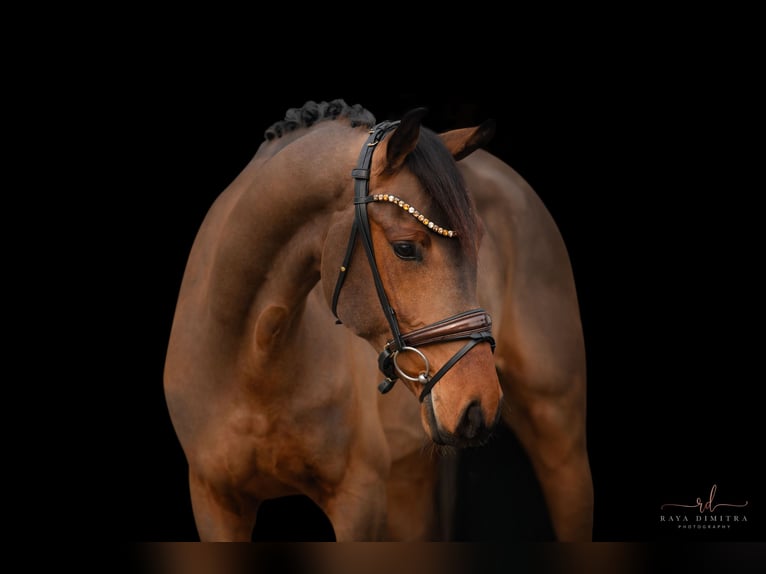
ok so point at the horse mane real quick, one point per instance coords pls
(312, 112)
(436, 170)
(430, 162)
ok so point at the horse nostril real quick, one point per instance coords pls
(472, 423)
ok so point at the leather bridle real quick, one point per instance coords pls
(474, 325)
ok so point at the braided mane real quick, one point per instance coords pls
(312, 112)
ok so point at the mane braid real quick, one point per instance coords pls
(313, 112)
(436, 170)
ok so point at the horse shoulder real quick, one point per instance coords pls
(525, 277)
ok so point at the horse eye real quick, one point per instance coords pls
(405, 250)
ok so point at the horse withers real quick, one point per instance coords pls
(337, 219)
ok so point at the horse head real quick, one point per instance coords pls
(408, 281)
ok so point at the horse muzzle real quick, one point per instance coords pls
(472, 429)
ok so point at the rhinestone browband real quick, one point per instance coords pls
(415, 213)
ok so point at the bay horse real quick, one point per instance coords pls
(345, 249)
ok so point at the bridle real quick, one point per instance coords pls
(474, 325)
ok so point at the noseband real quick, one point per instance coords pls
(474, 325)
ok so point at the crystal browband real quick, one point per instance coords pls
(414, 213)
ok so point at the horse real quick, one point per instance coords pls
(347, 249)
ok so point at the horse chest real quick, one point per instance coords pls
(298, 450)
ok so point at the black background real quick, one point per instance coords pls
(653, 182)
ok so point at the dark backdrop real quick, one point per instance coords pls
(652, 188)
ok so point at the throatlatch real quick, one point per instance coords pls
(474, 325)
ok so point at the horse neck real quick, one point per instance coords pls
(279, 211)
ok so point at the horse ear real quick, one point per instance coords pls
(463, 142)
(404, 139)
